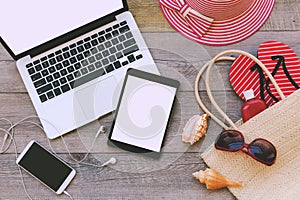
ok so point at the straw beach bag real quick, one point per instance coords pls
(279, 124)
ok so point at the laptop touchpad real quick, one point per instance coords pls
(97, 99)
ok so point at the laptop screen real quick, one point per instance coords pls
(30, 23)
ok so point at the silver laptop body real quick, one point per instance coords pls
(76, 77)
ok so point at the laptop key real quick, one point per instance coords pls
(71, 69)
(73, 52)
(66, 55)
(101, 47)
(45, 72)
(56, 75)
(51, 55)
(98, 64)
(52, 61)
(91, 68)
(70, 77)
(38, 67)
(94, 50)
(131, 58)
(65, 88)
(139, 56)
(122, 38)
(109, 68)
(91, 76)
(130, 50)
(49, 78)
(66, 63)
(55, 83)
(124, 29)
(117, 64)
(116, 26)
(129, 42)
(39, 83)
(73, 60)
(50, 95)
(44, 89)
(84, 63)
(94, 42)
(87, 53)
(45, 64)
(43, 98)
(80, 49)
(59, 58)
(105, 61)
(123, 23)
(63, 72)
(36, 76)
(36, 62)
(115, 33)
(58, 66)
(84, 71)
(77, 66)
(79, 57)
(129, 35)
(87, 39)
(92, 59)
(77, 74)
(65, 49)
(87, 45)
(108, 36)
(44, 58)
(57, 91)
(52, 69)
(101, 39)
(63, 80)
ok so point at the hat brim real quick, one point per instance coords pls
(224, 32)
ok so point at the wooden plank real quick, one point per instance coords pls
(149, 17)
(181, 63)
(19, 107)
(174, 181)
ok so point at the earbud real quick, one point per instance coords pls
(102, 129)
(111, 161)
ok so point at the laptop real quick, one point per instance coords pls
(73, 56)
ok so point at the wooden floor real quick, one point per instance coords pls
(137, 177)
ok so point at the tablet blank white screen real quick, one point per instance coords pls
(28, 23)
(143, 113)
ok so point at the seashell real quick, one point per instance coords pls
(195, 128)
(214, 180)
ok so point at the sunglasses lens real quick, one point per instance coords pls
(230, 140)
(263, 150)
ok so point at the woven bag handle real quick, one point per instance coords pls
(222, 57)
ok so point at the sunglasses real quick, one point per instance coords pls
(260, 149)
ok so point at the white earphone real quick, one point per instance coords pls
(111, 161)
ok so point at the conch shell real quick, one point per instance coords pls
(214, 180)
(195, 128)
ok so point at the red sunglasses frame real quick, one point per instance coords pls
(246, 147)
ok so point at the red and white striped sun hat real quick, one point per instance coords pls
(217, 22)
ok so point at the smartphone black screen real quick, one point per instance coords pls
(44, 166)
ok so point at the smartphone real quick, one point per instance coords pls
(48, 168)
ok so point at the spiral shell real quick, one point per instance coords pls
(195, 128)
(214, 180)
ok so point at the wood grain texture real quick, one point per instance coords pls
(149, 17)
(140, 177)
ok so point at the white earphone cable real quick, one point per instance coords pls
(8, 140)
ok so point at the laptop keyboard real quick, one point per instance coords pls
(83, 61)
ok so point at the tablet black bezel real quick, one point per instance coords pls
(67, 36)
(151, 77)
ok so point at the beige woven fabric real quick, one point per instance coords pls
(279, 124)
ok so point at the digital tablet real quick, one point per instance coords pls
(143, 112)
